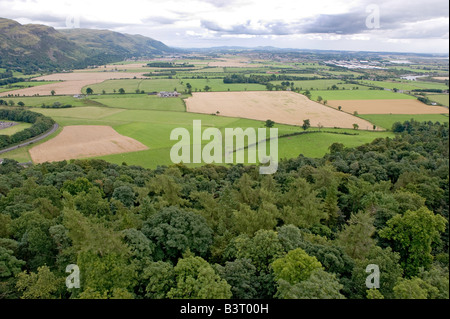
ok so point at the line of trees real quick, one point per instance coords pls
(41, 124)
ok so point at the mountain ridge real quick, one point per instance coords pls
(35, 47)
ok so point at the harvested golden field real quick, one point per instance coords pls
(387, 107)
(282, 107)
(82, 141)
(72, 82)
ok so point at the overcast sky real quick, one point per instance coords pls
(365, 25)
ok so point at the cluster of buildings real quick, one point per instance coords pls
(354, 64)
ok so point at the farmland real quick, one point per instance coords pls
(397, 106)
(149, 119)
(281, 107)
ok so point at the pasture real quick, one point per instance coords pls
(387, 120)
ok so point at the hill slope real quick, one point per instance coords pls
(32, 47)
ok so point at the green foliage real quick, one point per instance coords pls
(174, 231)
(414, 288)
(41, 285)
(413, 235)
(196, 279)
(319, 285)
(356, 237)
(296, 266)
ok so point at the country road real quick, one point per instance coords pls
(33, 140)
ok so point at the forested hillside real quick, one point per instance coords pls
(32, 48)
(308, 231)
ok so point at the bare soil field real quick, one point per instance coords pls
(387, 107)
(281, 107)
(72, 82)
(82, 141)
(442, 78)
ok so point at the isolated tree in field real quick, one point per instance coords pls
(355, 113)
(355, 126)
(11, 103)
(374, 127)
(339, 108)
(20, 103)
(103, 92)
(189, 86)
(319, 99)
(114, 91)
(269, 123)
(121, 91)
(52, 92)
(89, 91)
(207, 88)
(306, 124)
(325, 102)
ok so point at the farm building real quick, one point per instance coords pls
(169, 94)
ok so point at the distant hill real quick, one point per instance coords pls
(32, 47)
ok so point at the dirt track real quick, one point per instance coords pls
(84, 141)
(281, 107)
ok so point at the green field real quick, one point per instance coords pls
(153, 128)
(131, 85)
(49, 100)
(407, 85)
(322, 84)
(387, 120)
(140, 102)
(358, 95)
(14, 129)
(439, 98)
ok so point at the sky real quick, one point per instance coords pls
(357, 25)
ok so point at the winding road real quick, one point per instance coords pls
(33, 140)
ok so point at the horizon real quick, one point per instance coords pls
(416, 27)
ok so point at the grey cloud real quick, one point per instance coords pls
(394, 19)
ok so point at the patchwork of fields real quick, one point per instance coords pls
(135, 128)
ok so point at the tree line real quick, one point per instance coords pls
(41, 124)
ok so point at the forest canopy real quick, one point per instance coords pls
(308, 231)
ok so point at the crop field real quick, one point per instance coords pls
(387, 107)
(71, 83)
(84, 141)
(22, 85)
(149, 120)
(281, 107)
(359, 95)
(387, 120)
